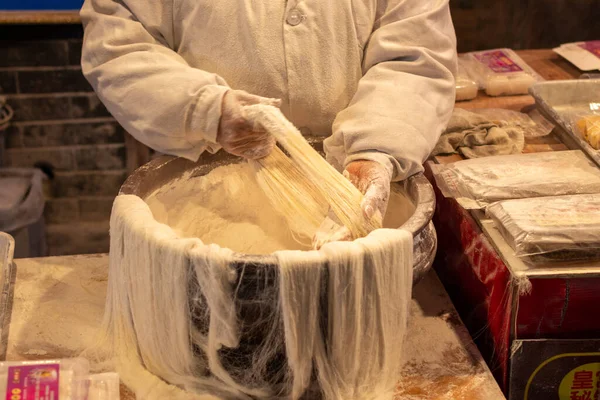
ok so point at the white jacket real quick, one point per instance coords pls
(376, 75)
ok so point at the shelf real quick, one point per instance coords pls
(40, 17)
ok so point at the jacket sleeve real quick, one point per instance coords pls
(406, 95)
(153, 93)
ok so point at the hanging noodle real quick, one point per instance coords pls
(339, 194)
(183, 322)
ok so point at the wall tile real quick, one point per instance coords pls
(40, 108)
(8, 82)
(69, 134)
(61, 211)
(100, 157)
(16, 53)
(61, 159)
(71, 184)
(88, 107)
(12, 137)
(80, 238)
(75, 51)
(53, 81)
(95, 208)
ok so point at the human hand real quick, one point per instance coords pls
(373, 180)
(237, 134)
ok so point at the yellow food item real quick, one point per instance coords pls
(589, 127)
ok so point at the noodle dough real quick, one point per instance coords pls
(226, 207)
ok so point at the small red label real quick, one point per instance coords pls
(593, 47)
(498, 61)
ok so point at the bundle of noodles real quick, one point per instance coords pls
(304, 186)
(292, 194)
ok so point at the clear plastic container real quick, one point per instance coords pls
(566, 226)
(479, 182)
(500, 72)
(466, 87)
(62, 379)
(103, 386)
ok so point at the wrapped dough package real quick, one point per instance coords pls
(63, 379)
(584, 55)
(500, 72)
(566, 227)
(479, 182)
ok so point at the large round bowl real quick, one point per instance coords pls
(257, 277)
(151, 176)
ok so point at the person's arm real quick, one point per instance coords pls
(129, 60)
(406, 96)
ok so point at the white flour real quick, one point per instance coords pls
(226, 207)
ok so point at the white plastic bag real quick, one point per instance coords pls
(479, 182)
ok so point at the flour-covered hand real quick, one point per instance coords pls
(373, 180)
(237, 134)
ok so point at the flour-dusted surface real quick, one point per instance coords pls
(57, 307)
(227, 207)
(441, 362)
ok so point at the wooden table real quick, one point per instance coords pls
(58, 303)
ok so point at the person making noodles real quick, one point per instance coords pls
(376, 76)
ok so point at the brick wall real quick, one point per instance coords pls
(59, 120)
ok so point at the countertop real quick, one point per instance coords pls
(58, 302)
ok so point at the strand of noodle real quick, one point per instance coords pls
(343, 197)
(284, 184)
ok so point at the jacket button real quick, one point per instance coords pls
(295, 17)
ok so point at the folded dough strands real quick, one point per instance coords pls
(310, 179)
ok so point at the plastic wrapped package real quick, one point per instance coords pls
(103, 386)
(575, 106)
(561, 228)
(583, 119)
(466, 87)
(62, 379)
(479, 182)
(500, 72)
(584, 55)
